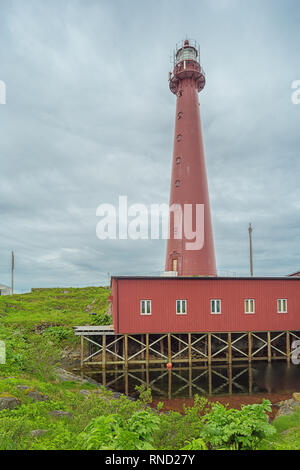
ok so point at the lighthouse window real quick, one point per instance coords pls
(282, 305)
(180, 115)
(179, 137)
(215, 306)
(181, 307)
(145, 307)
(249, 306)
(177, 183)
(178, 160)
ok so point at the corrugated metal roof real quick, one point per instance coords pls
(206, 278)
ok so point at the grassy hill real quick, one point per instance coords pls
(59, 306)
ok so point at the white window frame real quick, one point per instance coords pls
(280, 308)
(217, 302)
(145, 304)
(247, 303)
(181, 305)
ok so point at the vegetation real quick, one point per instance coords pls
(52, 307)
(57, 415)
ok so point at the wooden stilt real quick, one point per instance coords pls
(209, 348)
(190, 382)
(103, 351)
(249, 347)
(288, 348)
(126, 351)
(229, 349)
(147, 350)
(103, 377)
(81, 351)
(190, 349)
(269, 346)
(162, 349)
(169, 348)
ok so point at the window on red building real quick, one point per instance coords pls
(249, 306)
(181, 307)
(215, 306)
(282, 305)
(146, 307)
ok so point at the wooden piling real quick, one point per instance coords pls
(288, 348)
(81, 351)
(147, 350)
(209, 348)
(249, 347)
(190, 348)
(169, 349)
(126, 351)
(229, 349)
(103, 351)
(269, 346)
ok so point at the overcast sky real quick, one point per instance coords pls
(89, 117)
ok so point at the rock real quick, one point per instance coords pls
(296, 396)
(85, 393)
(22, 387)
(37, 396)
(90, 307)
(9, 403)
(287, 407)
(61, 414)
(38, 432)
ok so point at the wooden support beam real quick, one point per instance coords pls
(169, 348)
(147, 349)
(229, 349)
(288, 348)
(269, 346)
(249, 347)
(190, 382)
(209, 348)
(126, 351)
(81, 350)
(103, 351)
(190, 348)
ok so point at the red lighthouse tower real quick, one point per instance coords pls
(189, 180)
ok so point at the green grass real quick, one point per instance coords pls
(65, 307)
(288, 432)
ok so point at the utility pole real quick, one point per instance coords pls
(12, 272)
(251, 249)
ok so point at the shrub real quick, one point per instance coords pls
(58, 333)
(237, 429)
(101, 319)
(113, 432)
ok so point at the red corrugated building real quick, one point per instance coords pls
(186, 304)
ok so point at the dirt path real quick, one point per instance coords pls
(234, 401)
